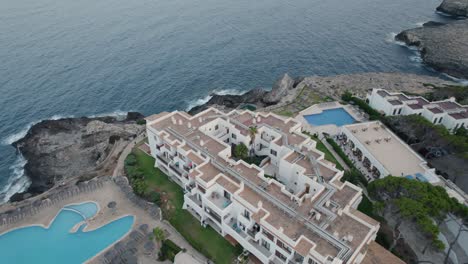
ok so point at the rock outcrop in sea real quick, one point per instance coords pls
(454, 7)
(258, 96)
(59, 150)
(443, 47)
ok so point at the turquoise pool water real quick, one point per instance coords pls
(86, 209)
(35, 244)
(337, 116)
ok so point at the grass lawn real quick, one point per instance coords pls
(328, 155)
(205, 240)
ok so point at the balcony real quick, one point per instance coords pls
(220, 201)
(265, 252)
(213, 215)
(163, 159)
(194, 199)
(234, 226)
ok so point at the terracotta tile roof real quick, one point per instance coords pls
(376, 254)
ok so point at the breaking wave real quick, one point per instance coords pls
(17, 182)
(204, 100)
(8, 140)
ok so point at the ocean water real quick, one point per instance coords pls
(56, 244)
(74, 58)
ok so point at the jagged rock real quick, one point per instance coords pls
(280, 89)
(258, 96)
(58, 150)
(443, 47)
(454, 7)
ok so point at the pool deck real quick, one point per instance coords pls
(108, 191)
(318, 109)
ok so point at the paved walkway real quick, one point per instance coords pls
(119, 167)
(332, 151)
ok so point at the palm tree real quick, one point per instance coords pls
(253, 133)
(159, 235)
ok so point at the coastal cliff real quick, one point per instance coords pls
(443, 47)
(454, 7)
(59, 150)
(257, 96)
(288, 90)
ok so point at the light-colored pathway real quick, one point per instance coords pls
(119, 167)
(332, 151)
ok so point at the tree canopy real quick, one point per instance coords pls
(418, 201)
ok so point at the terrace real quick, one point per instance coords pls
(219, 200)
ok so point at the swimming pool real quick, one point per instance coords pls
(36, 244)
(336, 116)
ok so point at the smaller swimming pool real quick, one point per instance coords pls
(336, 116)
(87, 210)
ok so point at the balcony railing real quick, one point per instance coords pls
(162, 159)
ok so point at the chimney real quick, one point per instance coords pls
(259, 119)
(173, 120)
(200, 120)
(350, 238)
(259, 204)
(202, 142)
(189, 125)
(180, 122)
(317, 216)
(452, 99)
(327, 203)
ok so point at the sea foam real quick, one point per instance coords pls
(17, 182)
(205, 99)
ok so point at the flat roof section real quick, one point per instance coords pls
(394, 155)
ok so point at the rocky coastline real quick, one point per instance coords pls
(458, 8)
(58, 151)
(287, 89)
(443, 47)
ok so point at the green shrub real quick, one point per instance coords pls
(353, 175)
(168, 250)
(155, 197)
(373, 114)
(130, 160)
(141, 122)
(241, 151)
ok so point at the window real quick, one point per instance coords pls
(227, 195)
(233, 136)
(280, 256)
(201, 189)
(456, 126)
(268, 235)
(394, 111)
(273, 152)
(440, 120)
(311, 261)
(246, 214)
(283, 246)
(399, 111)
(265, 244)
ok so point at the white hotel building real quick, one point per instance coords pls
(305, 215)
(383, 153)
(448, 113)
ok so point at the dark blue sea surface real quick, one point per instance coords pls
(89, 57)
